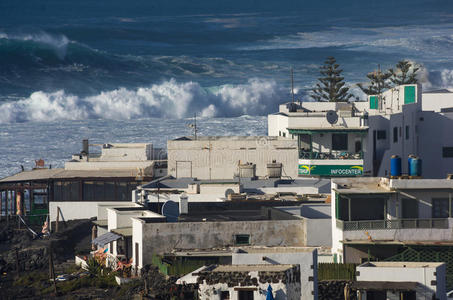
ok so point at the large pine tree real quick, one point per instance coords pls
(378, 82)
(405, 73)
(331, 85)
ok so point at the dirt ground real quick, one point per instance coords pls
(24, 269)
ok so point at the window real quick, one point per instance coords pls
(245, 295)
(447, 152)
(395, 134)
(381, 134)
(339, 141)
(224, 295)
(440, 208)
(407, 132)
(284, 134)
(242, 239)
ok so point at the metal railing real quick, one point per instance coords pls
(303, 154)
(392, 224)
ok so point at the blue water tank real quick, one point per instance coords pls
(409, 161)
(415, 167)
(395, 165)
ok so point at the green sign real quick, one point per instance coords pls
(374, 102)
(409, 94)
(331, 170)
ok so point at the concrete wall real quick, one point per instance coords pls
(437, 101)
(73, 210)
(164, 237)
(307, 261)
(102, 213)
(424, 276)
(318, 232)
(218, 157)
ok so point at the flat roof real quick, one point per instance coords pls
(125, 231)
(401, 264)
(102, 223)
(263, 249)
(247, 183)
(251, 268)
(45, 174)
(202, 252)
(384, 285)
(394, 242)
(229, 138)
(384, 185)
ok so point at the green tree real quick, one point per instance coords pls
(331, 86)
(378, 82)
(405, 73)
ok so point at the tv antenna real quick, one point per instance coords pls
(194, 125)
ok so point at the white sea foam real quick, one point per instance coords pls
(170, 99)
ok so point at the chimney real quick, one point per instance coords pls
(183, 204)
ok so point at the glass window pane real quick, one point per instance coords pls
(88, 191)
(340, 141)
(109, 190)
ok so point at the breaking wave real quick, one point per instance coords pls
(55, 42)
(170, 99)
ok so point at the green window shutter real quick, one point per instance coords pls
(374, 101)
(409, 94)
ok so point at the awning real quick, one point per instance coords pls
(312, 130)
(105, 239)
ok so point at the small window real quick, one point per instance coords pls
(395, 134)
(381, 134)
(339, 141)
(224, 295)
(242, 239)
(407, 132)
(447, 152)
(440, 208)
(284, 134)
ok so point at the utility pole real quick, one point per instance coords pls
(292, 83)
(195, 125)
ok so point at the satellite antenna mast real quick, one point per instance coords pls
(194, 125)
(292, 83)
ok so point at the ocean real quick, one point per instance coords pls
(137, 71)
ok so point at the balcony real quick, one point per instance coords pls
(303, 154)
(393, 224)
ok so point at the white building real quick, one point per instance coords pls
(238, 282)
(304, 257)
(358, 138)
(393, 219)
(401, 280)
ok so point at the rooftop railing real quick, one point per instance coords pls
(303, 154)
(392, 224)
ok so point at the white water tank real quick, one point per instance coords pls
(183, 204)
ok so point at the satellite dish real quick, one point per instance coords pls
(332, 117)
(170, 209)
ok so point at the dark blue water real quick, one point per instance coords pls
(108, 50)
